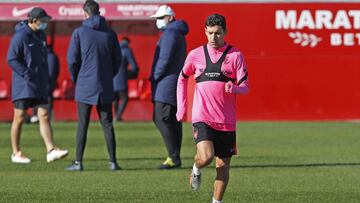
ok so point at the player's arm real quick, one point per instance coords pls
(166, 54)
(241, 85)
(74, 56)
(181, 92)
(15, 57)
(116, 55)
(132, 61)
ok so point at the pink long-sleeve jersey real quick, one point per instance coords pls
(212, 104)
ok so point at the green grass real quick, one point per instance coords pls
(277, 162)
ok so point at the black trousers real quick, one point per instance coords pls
(122, 97)
(171, 130)
(105, 116)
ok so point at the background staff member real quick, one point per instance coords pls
(170, 54)
(27, 57)
(93, 61)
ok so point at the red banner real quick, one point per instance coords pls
(74, 11)
(303, 58)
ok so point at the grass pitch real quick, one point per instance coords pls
(277, 162)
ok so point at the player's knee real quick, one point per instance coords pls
(222, 167)
(43, 115)
(222, 171)
(205, 159)
(19, 119)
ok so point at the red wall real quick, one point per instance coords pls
(288, 81)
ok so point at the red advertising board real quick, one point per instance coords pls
(74, 11)
(303, 58)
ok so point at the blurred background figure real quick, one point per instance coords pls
(53, 65)
(128, 70)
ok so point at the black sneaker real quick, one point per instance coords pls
(169, 164)
(114, 166)
(76, 166)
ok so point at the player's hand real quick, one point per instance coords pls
(229, 87)
(180, 116)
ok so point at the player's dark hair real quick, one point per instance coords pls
(91, 7)
(216, 19)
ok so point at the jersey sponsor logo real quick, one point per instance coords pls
(212, 75)
(20, 12)
(226, 60)
(304, 26)
(227, 72)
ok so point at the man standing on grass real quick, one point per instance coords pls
(93, 60)
(169, 57)
(220, 73)
(27, 57)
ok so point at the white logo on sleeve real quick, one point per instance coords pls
(20, 12)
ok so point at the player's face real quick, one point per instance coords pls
(215, 35)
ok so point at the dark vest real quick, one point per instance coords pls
(212, 70)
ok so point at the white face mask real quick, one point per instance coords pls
(160, 24)
(43, 26)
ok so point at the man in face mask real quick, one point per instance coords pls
(169, 58)
(27, 57)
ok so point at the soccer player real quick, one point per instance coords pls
(220, 73)
(27, 57)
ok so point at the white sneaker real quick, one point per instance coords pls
(19, 158)
(56, 154)
(195, 180)
(34, 119)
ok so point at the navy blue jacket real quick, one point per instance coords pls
(53, 64)
(169, 58)
(120, 80)
(93, 60)
(27, 57)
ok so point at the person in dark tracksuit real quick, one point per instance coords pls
(28, 61)
(169, 58)
(93, 61)
(121, 78)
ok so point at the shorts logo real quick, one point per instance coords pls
(195, 133)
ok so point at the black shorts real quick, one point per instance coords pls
(224, 141)
(25, 104)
